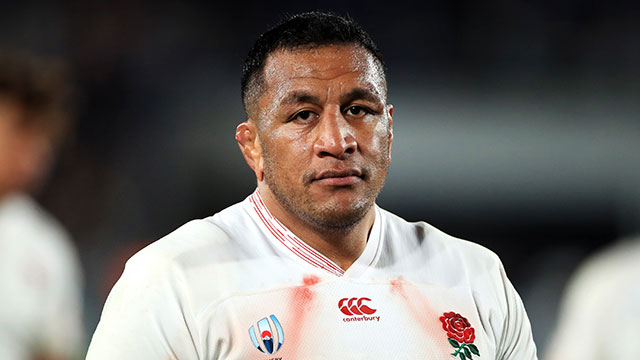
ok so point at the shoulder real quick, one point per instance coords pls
(615, 261)
(28, 226)
(165, 272)
(172, 280)
(195, 239)
(437, 247)
(152, 301)
(423, 253)
(226, 235)
(201, 259)
(430, 255)
(603, 274)
(19, 214)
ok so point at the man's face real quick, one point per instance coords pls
(325, 132)
(23, 150)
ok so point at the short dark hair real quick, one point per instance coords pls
(41, 87)
(312, 29)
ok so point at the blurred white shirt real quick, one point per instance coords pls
(599, 317)
(40, 284)
(240, 285)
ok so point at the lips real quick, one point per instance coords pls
(342, 177)
(331, 173)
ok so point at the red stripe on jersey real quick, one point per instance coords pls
(290, 240)
(309, 250)
(277, 235)
(274, 232)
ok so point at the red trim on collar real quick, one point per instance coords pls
(290, 240)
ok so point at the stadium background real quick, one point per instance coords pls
(516, 123)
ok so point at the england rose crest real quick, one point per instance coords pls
(460, 335)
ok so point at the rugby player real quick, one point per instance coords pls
(308, 266)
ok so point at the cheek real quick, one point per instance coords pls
(288, 151)
(377, 139)
(8, 147)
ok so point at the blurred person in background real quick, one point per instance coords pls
(599, 318)
(308, 267)
(40, 276)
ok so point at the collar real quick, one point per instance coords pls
(275, 230)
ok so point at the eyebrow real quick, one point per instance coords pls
(359, 94)
(306, 97)
(300, 97)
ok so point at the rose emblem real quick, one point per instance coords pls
(460, 335)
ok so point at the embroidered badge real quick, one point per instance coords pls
(461, 335)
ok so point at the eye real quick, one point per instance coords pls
(305, 115)
(357, 111)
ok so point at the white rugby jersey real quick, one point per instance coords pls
(40, 284)
(240, 285)
(600, 311)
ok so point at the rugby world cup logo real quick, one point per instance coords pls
(265, 332)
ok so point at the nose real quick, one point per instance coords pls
(335, 136)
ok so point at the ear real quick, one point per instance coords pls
(390, 116)
(249, 144)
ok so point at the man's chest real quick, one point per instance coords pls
(346, 320)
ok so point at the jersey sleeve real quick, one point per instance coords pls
(147, 314)
(516, 340)
(61, 332)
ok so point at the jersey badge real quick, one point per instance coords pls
(357, 309)
(460, 335)
(265, 331)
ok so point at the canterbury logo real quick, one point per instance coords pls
(355, 306)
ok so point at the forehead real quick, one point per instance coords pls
(317, 68)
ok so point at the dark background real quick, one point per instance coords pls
(516, 123)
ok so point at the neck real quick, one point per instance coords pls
(3, 193)
(341, 246)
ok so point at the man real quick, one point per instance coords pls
(40, 300)
(308, 267)
(599, 313)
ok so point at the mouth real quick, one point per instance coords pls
(344, 177)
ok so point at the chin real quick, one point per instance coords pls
(341, 197)
(340, 216)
